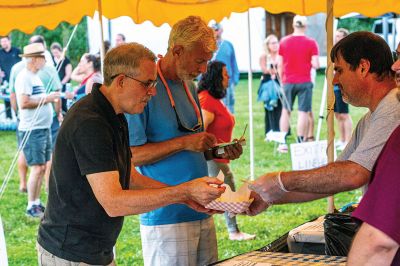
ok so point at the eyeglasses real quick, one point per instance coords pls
(146, 84)
(396, 55)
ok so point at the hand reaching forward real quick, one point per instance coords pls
(257, 206)
(200, 191)
(199, 142)
(268, 187)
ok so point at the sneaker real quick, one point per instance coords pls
(41, 207)
(282, 148)
(34, 212)
(240, 236)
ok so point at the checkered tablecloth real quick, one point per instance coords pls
(231, 207)
(258, 258)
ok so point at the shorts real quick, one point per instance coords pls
(340, 106)
(45, 258)
(181, 244)
(303, 90)
(37, 149)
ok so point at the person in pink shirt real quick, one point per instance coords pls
(219, 121)
(297, 55)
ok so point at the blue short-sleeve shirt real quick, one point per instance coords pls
(158, 123)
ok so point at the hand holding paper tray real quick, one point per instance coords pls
(232, 202)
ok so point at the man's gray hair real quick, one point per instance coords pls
(125, 59)
(191, 30)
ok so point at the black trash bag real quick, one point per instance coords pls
(339, 230)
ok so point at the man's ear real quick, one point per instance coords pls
(120, 80)
(177, 50)
(364, 66)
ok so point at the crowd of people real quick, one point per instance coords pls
(287, 75)
(134, 141)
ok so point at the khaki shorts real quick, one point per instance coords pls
(183, 244)
(45, 258)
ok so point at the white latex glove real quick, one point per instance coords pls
(269, 187)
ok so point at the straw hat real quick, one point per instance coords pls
(33, 50)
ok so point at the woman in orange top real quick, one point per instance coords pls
(220, 122)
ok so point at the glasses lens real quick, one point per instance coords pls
(150, 84)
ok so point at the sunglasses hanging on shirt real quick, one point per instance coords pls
(181, 126)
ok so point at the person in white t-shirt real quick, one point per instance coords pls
(36, 116)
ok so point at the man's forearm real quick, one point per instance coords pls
(57, 106)
(372, 247)
(119, 202)
(13, 102)
(145, 200)
(153, 152)
(139, 181)
(330, 179)
(297, 197)
(33, 103)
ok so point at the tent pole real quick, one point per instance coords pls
(321, 111)
(101, 33)
(250, 81)
(331, 96)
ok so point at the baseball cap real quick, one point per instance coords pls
(299, 21)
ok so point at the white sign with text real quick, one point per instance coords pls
(308, 155)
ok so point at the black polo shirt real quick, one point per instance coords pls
(8, 59)
(92, 139)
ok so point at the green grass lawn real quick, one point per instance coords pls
(20, 231)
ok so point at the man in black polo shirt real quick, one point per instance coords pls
(92, 183)
(9, 56)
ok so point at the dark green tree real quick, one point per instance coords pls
(356, 24)
(60, 34)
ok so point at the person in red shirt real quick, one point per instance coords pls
(219, 122)
(298, 54)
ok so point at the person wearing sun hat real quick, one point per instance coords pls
(49, 77)
(35, 114)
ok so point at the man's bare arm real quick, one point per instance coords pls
(315, 61)
(372, 247)
(13, 102)
(330, 179)
(153, 152)
(119, 202)
(28, 102)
